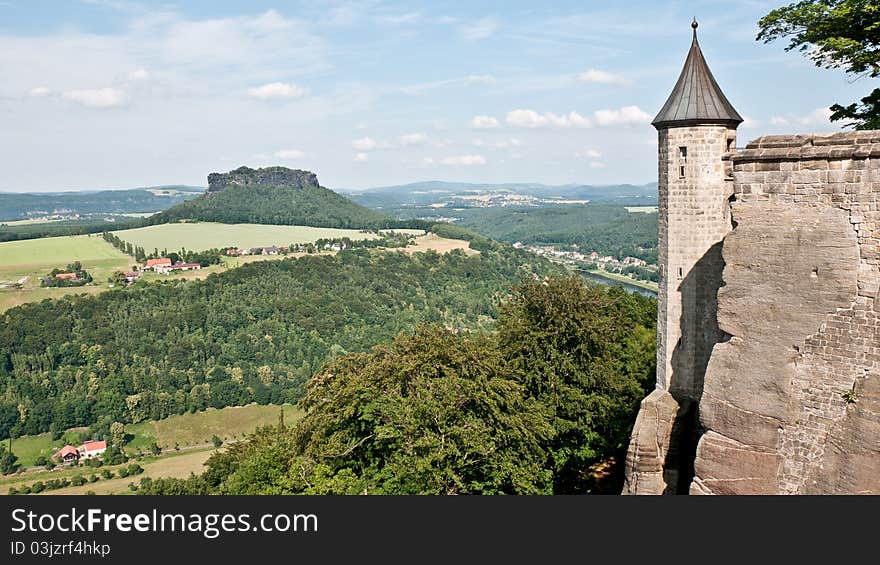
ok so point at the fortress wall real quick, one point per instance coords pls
(791, 403)
(693, 218)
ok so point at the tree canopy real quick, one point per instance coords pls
(841, 34)
(531, 408)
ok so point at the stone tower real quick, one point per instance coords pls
(696, 128)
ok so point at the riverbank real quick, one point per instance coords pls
(603, 276)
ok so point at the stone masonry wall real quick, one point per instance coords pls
(791, 403)
(693, 217)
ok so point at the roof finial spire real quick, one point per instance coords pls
(694, 25)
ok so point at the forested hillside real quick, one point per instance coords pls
(274, 195)
(255, 333)
(610, 230)
(545, 404)
(15, 206)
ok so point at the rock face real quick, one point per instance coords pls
(786, 270)
(655, 453)
(268, 176)
(789, 401)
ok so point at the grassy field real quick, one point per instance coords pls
(33, 258)
(198, 236)
(191, 433)
(184, 431)
(175, 465)
(196, 429)
(440, 245)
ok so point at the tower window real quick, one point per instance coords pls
(683, 153)
(682, 160)
(680, 274)
(681, 171)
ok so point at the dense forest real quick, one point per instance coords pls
(255, 333)
(609, 230)
(544, 404)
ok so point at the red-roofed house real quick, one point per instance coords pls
(67, 454)
(154, 263)
(91, 449)
(69, 276)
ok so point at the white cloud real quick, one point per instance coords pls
(277, 91)
(413, 139)
(597, 165)
(530, 119)
(480, 29)
(508, 143)
(479, 79)
(364, 144)
(39, 91)
(601, 77)
(484, 122)
(470, 80)
(139, 74)
(289, 154)
(477, 142)
(627, 115)
(361, 157)
(464, 160)
(749, 122)
(399, 19)
(818, 117)
(588, 153)
(98, 97)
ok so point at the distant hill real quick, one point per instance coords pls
(272, 195)
(21, 206)
(426, 193)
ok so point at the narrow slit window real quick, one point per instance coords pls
(682, 160)
(680, 272)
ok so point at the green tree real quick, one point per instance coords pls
(8, 461)
(586, 352)
(216, 441)
(117, 434)
(841, 34)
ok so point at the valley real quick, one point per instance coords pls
(193, 323)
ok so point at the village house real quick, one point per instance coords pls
(88, 450)
(67, 276)
(91, 449)
(67, 454)
(156, 263)
(165, 269)
(132, 276)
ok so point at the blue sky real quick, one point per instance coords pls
(109, 93)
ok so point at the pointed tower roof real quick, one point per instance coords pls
(696, 98)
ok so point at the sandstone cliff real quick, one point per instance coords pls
(790, 400)
(268, 176)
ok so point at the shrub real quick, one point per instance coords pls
(38, 487)
(78, 480)
(107, 474)
(93, 478)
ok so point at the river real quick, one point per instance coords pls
(630, 287)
